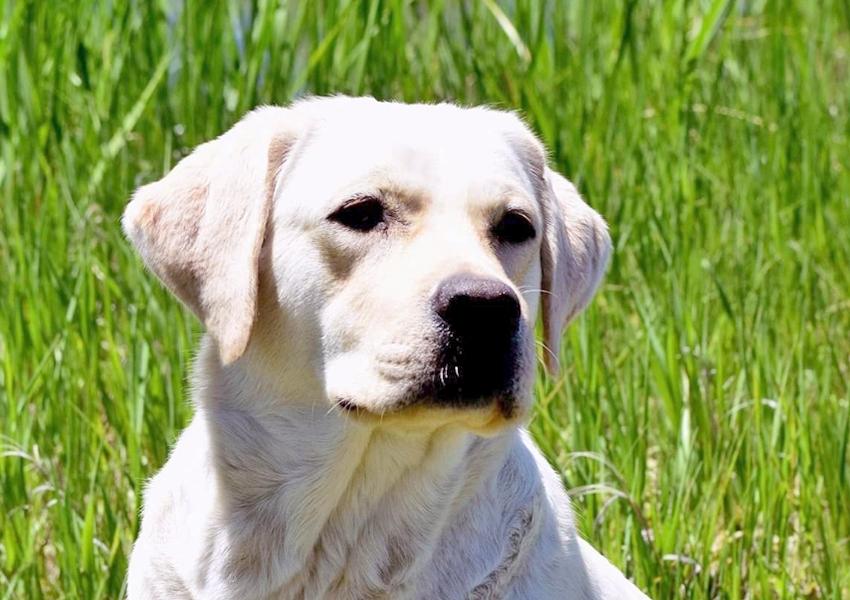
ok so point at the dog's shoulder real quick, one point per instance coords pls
(562, 564)
(178, 508)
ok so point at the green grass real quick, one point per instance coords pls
(703, 416)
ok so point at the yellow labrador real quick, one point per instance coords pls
(369, 275)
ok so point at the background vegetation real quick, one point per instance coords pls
(703, 414)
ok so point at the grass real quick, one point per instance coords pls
(703, 416)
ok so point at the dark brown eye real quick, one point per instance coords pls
(514, 228)
(361, 214)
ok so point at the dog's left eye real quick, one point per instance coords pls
(514, 228)
(362, 214)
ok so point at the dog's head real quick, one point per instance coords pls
(391, 256)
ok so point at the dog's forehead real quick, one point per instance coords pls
(448, 151)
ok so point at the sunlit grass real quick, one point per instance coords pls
(703, 415)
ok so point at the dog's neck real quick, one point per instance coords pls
(328, 499)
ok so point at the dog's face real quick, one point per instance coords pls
(387, 258)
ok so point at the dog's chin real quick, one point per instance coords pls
(484, 416)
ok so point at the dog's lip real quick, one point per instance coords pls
(485, 420)
(507, 405)
(352, 408)
(348, 405)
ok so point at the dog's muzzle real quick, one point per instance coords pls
(479, 322)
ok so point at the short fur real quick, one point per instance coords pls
(277, 491)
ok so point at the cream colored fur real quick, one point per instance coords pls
(274, 490)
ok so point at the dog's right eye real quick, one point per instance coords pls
(362, 214)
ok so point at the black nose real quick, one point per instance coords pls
(477, 309)
(477, 361)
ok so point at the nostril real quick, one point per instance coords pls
(467, 312)
(477, 306)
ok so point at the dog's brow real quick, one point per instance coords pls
(509, 195)
(410, 194)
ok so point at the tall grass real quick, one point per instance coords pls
(703, 415)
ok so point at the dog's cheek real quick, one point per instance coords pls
(529, 287)
(338, 259)
(527, 364)
(294, 288)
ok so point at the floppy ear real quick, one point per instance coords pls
(574, 255)
(200, 228)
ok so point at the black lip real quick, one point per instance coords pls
(474, 374)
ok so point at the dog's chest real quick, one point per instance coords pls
(379, 519)
(400, 558)
(368, 536)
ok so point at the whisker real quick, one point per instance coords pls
(540, 360)
(525, 290)
(547, 349)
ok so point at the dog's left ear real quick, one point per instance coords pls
(574, 255)
(200, 228)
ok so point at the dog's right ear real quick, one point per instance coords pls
(200, 228)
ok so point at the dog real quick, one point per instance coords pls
(369, 275)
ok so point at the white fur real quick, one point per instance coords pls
(274, 491)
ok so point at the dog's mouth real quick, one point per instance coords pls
(458, 380)
(485, 418)
(449, 393)
(506, 404)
